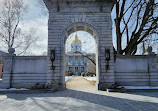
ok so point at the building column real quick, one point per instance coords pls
(152, 69)
(7, 79)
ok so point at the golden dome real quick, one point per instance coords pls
(76, 40)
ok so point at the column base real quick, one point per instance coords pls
(106, 85)
(60, 86)
(56, 86)
(4, 86)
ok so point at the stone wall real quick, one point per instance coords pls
(136, 71)
(23, 71)
(27, 71)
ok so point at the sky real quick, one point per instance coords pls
(36, 19)
(87, 42)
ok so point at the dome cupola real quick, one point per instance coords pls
(76, 40)
(76, 44)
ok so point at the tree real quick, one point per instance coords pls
(92, 65)
(135, 20)
(11, 13)
(150, 41)
(86, 56)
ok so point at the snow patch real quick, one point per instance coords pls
(68, 78)
(14, 89)
(138, 87)
(91, 78)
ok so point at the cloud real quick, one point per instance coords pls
(41, 27)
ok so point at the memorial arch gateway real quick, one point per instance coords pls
(68, 16)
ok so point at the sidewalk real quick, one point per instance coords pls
(79, 83)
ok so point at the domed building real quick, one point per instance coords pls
(74, 60)
(76, 44)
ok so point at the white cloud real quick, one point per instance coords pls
(40, 25)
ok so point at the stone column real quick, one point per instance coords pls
(152, 67)
(8, 68)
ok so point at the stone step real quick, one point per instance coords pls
(28, 91)
(132, 90)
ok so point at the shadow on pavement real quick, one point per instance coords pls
(149, 94)
(117, 103)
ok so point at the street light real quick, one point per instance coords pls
(107, 57)
(52, 58)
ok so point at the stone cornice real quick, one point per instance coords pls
(56, 3)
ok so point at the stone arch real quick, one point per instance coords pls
(86, 16)
(81, 27)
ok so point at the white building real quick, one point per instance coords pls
(74, 60)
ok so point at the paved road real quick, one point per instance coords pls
(80, 99)
(79, 83)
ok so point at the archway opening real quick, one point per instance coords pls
(81, 59)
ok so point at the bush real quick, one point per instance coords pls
(88, 74)
(83, 74)
(68, 73)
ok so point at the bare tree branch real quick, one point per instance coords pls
(11, 12)
(87, 57)
(141, 13)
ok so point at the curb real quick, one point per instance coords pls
(28, 91)
(132, 90)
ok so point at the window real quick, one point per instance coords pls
(76, 69)
(81, 62)
(82, 69)
(70, 68)
(71, 62)
(76, 62)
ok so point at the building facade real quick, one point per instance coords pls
(74, 60)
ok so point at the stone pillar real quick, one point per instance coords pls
(54, 77)
(8, 68)
(152, 67)
(106, 77)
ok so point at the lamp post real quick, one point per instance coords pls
(52, 58)
(107, 58)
